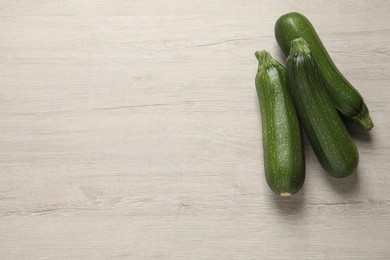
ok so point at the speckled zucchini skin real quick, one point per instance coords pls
(326, 132)
(284, 162)
(344, 96)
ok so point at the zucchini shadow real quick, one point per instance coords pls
(347, 185)
(293, 205)
(357, 132)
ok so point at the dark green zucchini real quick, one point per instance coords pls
(284, 162)
(344, 96)
(326, 132)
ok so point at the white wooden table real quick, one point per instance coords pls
(131, 130)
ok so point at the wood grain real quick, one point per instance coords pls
(131, 130)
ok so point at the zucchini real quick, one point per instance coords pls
(326, 132)
(284, 162)
(344, 96)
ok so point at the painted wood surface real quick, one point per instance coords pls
(131, 130)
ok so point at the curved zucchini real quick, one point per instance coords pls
(344, 96)
(326, 132)
(284, 162)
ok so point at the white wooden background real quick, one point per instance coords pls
(131, 130)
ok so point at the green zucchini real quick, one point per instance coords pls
(344, 96)
(284, 162)
(326, 132)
